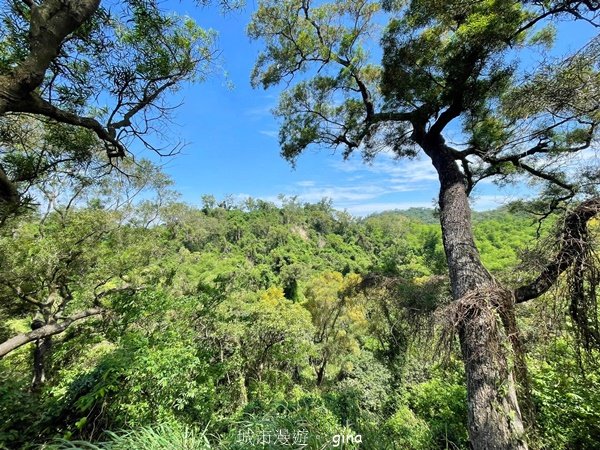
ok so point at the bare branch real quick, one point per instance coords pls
(147, 98)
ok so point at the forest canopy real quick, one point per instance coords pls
(258, 318)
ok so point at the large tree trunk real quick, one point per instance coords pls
(50, 23)
(494, 416)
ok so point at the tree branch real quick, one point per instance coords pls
(516, 161)
(544, 176)
(45, 331)
(393, 117)
(571, 246)
(35, 104)
(451, 113)
(22, 295)
(145, 101)
(50, 23)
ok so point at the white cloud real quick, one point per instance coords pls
(306, 183)
(386, 184)
(269, 133)
(339, 194)
(363, 189)
(487, 202)
(409, 173)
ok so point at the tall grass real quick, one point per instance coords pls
(158, 437)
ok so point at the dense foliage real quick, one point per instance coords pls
(252, 323)
(456, 82)
(130, 320)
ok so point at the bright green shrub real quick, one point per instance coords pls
(304, 418)
(166, 436)
(442, 403)
(406, 431)
(567, 400)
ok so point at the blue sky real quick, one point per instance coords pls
(232, 146)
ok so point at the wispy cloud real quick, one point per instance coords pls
(487, 202)
(338, 194)
(260, 111)
(406, 172)
(363, 189)
(269, 133)
(306, 183)
(386, 184)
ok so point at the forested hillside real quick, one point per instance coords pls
(257, 326)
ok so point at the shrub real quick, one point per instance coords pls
(406, 431)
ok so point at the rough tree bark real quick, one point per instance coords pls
(494, 416)
(51, 22)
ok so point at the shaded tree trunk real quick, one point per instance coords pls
(41, 355)
(41, 350)
(243, 387)
(321, 372)
(8, 191)
(494, 416)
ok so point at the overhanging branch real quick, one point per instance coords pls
(35, 104)
(571, 245)
(46, 330)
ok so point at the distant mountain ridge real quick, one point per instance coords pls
(430, 215)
